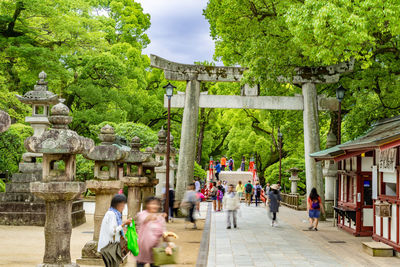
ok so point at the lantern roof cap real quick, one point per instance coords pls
(40, 94)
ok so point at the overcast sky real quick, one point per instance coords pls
(179, 32)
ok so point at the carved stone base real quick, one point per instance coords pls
(90, 256)
(57, 265)
(329, 208)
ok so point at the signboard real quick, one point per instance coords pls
(374, 182)
(387, 160)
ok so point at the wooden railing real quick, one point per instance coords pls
(292, 201)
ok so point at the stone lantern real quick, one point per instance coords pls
(160, 151)
(294, 178)
(139, 185)
(5, 121)
(330, 174)
(105, 185)
(40, 98)
(58, 187)
(18, 205)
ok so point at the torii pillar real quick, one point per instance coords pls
(308, 78)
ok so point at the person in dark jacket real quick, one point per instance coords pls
(274, 199)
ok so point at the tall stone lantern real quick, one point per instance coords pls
(330, 174)
(105, 185)
(40, 98)
(139, 184)
(160, 151)
(58, 188)
(294, 179)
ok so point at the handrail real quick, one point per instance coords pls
(291, 200)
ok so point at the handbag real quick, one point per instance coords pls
(115, 252)
(162, 258)
(124, 246)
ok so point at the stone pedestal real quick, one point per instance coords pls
(294, 178)
(104, 190)
(58, 197)
(293, 186)
(139, 188)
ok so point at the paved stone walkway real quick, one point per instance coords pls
(256, 243)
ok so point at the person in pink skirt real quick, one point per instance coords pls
(151, 227)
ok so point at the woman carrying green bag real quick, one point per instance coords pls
(151, 228)
(112, 243)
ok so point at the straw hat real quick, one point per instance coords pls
(275, 187)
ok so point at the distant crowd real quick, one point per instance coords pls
(224, 163)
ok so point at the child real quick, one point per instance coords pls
(231, 205)
(220, 196)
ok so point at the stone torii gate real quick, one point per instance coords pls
(309, 102)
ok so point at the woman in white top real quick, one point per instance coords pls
(112, 224)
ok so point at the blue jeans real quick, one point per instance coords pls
(314, 214)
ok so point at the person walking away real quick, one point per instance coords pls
(231, 205)
(240, 190)
(223, 163)
(190, 201)
(151, 227)
(243, 164)
(220, 195)
(257, 193)
(171, 202)
(111, 228)
(248, 192)
(274, 199)
(213, 194)
(217, 170)
(231, 164)
(314, 208)
(197, 185)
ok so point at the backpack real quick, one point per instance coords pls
(249, 188)
(230, 162)
(315, 205)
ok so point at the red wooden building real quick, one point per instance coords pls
(367, 195)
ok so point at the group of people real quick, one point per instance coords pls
(226, 197)
(223, 163)
(150, 226)
(151, 222)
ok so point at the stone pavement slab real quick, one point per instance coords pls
(256, 243)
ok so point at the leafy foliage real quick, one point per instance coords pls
(272, 174)
(199, 172)
(128, 130)
(12, 146)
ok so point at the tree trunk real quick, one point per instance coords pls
(334, 123)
